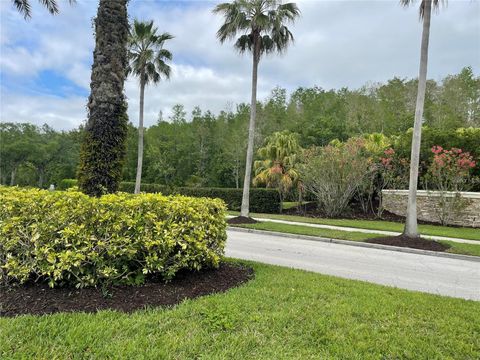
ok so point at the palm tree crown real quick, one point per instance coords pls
(261, 23)
(24, 7)
(147, 57)
(435, 3)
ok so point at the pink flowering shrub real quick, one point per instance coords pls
(394, 170)
(450, 173)
(450, 170)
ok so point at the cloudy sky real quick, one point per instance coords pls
(45, 61)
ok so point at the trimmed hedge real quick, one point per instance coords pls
(261, 200)
(68, 238)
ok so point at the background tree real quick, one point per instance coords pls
(411, 228)
(103, 147)
(24, 7)
(262, 24)
(147, 59)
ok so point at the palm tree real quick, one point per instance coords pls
(147, 61)
(24, 7)
(102, 151)
(278, 167)
(261, 24)
(411, 228)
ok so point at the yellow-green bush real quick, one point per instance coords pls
(68, 238)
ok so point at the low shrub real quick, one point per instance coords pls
(67, 184)
(261, 200)
(68, 238)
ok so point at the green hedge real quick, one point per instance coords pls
(68, 238)
(261, 200)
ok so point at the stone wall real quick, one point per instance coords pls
(434, 206)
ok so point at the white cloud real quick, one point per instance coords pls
(338, 43)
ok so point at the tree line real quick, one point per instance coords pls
(206, 149)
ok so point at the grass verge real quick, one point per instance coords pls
(281, 314)
(456, 248)
(435, 230)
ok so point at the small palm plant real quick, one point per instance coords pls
(262, 28)
(147, 61)
(278, 167)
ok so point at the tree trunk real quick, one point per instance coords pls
(103, 146)
(411, 228)
(12, 176)
(138, 179)
(245, 209)
(40, 177)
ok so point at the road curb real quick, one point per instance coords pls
(359, 244)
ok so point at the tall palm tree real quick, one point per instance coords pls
(147, 59)
(411, 228)
(103, 146)
(262, 25)
(24, 7)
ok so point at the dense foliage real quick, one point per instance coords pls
(71, 238)
(208, 150)
(261, 200)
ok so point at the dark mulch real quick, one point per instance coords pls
(38, 299)
(415, 243)
(241, 220)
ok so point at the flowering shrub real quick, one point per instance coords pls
(394, 170)
(449, 171)
(68, 238)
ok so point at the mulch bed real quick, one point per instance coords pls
(39, 299)
(241, 220)
(415, 243)
(354, 212)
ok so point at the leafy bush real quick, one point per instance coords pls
(335, 173)
(449, 171)
(71, 238)
(67, 184)
(261, 200)
(467, 139)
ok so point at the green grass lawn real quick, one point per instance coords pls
(281, 314)
(456, 248)
(435, 230)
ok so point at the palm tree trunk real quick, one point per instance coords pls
(40, 177)
(102, 151)
(245, 209)
(138, 179)
(12, 176)
(411, 228)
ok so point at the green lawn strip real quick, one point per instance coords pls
(456, 248)
(435, 230)
(281, 314)
(306, 230)
(464, 249)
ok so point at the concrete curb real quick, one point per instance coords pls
(360, 244)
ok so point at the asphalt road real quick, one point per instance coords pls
(437, 275)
